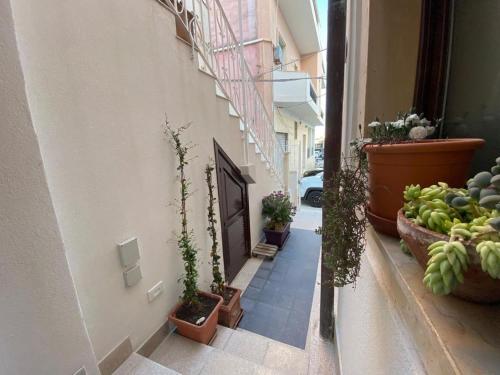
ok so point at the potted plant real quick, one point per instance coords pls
(196, 315)
(278, 211)
(230, 311)
(399, 154)
(455, 235)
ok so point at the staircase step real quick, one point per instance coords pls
(232, 111)
(272, 354)
(138, 365)
(232, 352)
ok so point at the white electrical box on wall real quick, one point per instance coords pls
(155, 291)
(132, 276)
(129, 252)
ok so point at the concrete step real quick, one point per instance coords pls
(272, 354)
(138, 365)
(232, 352)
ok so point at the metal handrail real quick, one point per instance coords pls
(222, 55)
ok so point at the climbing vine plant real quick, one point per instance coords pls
(344, 222)
(217, 285)
(185, 240)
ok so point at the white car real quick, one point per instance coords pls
(311, 188)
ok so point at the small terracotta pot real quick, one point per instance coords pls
(392, 167)
(206, 331)
(277, 238)
(229, 314)
(478, 286)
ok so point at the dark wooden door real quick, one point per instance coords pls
(233, 203)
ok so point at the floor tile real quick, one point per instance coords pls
(288, 359)
(251, 292)
(247, 304)
(287, 292)
(182, 355)
(248, 346)
(262, 273)
(258, 282)
(222, 363)
(223, 335)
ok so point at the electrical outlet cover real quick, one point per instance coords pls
(129, 252)
(132, 276)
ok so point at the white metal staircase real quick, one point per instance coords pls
(220, 54)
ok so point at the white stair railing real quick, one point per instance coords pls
(222, 56)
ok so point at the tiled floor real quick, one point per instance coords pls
(277, 302)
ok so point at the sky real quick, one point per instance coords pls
(323, 15)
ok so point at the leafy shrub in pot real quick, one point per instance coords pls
(278, 211)
(230, 311)
(196, 315)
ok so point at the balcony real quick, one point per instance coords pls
(294, 94)
(304, 18)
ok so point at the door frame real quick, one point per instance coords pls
(433, 57)
(220, 153)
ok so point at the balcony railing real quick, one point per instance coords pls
(293, 93)
(221, 54)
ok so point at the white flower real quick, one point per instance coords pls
(430, 129)
(374, 124)
(398, 124)
(425, 122)
(412, 119)
(418, 132)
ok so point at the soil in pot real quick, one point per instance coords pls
(185, 317)
(228, 295)
(191, 314)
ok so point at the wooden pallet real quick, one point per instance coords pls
(265, 249)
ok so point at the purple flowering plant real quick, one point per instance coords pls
(278, 210)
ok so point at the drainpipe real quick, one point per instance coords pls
(243, 87)
(333, 141)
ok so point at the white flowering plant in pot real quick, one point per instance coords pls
(407, 127)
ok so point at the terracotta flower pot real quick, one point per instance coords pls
(230, 314)
(478, 286)
(394, 166)
(277, 238)
(204, 332)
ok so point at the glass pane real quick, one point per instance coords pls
(473, 101)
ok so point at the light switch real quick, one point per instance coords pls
(129, 252)
(132, 276)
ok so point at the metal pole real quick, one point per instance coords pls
(333, 141)
(243, 87)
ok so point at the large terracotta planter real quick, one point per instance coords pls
(204, 332)
(278, 238)
(230, 314)
(478, 286)
(394, 166)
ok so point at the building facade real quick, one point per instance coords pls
(86, 89)
(282, 47)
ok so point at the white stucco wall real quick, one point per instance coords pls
(371, 338)
(41, 328)
(101, 76)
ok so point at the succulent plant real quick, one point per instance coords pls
(469, 217)
(484, 187)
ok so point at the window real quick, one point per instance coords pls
(279, 51)
(283, 140)
(310, 141)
